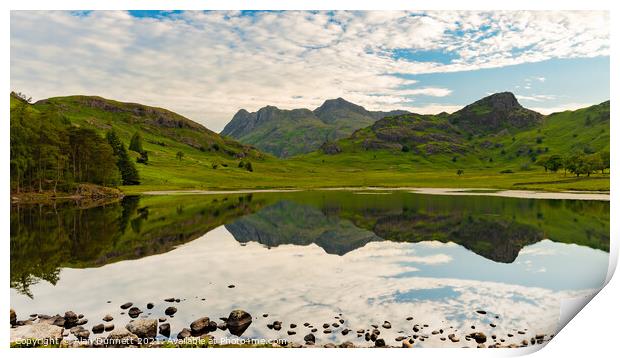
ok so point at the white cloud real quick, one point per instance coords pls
(207, 65)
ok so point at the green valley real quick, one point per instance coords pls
(493, 143)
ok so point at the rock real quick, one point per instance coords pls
(82, 322)
(108, 318)
(310, 338)
(277, 325)
(306, 324)
(212, 326)
(164, 329)
(231, 286)
(222, 326)
(162, 319)
(481, 345)
(380, 343)
(71, 319)
(481, 312)
(479, 337)
(313, 330)
(325, 325)
(108, 327)
(408, 343)
(169, 299)
(409, 318)
(185, 333)
(42, 332)
(143, 328)
(453, 338)
(327, 331)
(13, 318)
(360, 331)
(126, 305)
(330, 148)
(170, 311)
(416, 328)
(200, 326)
(347, 344)
(293, 325)
(329, 345)
(345, 331)
(399, 338)
(238, 321)
(98, 328)
(335, 325)
(492, 325)
(265, 315)
(82, 334)
(386, 325)
(150, 305)
(290, 333)
(376, 332)
(521, 332)
(434, 332)
(134, 312)
(121, 337)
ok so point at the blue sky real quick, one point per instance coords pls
(207, 65)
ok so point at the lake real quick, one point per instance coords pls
(350, 259)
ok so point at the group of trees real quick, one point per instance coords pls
(576, 163)
(48, 153)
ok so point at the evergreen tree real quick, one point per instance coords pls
(129, 173)
(136, 143)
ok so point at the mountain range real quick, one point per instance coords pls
(286, 133)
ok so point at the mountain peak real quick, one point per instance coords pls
(503, 101)
(494, 113)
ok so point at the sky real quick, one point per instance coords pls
(206, 65)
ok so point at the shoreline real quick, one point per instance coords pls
(507, 193)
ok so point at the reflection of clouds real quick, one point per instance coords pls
(537, 251)
(296, 284)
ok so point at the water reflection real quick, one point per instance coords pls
(312, 256)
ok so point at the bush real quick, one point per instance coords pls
(248, 167)
(405, 148)
(506, 171)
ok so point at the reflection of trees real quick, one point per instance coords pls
(45, 238)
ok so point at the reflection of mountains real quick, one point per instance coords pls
(494, 237)
(45, 238)
(289, 223)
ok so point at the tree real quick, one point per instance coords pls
(248, 167)
(135, 143)
(180, 155)
(605, 159)
(129, 173)
(460, 172)
(552, 163)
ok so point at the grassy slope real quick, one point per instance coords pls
(354, 167)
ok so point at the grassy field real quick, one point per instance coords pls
(211, 161)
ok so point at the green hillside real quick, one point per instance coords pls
(286, 133)
(407, 150)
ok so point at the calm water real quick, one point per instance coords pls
(312, 256)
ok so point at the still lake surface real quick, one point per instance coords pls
(316, 257)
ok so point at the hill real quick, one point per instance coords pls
(52, 145)
(494, 133)
(286, 133)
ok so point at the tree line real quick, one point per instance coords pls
(576, 163)
(49, 153)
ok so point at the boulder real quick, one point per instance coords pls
(310, 338)
(164, 329)
(200, 326)
(185, 333)
(71, 319)
(98, 328)
(143, 328)
(134, 312)
(41, 332)
(170, 311)
(238, 321)
(121, 337)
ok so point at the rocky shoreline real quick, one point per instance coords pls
(68, 331)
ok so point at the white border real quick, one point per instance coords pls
(592, 332)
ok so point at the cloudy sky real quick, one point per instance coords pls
(207, 65)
